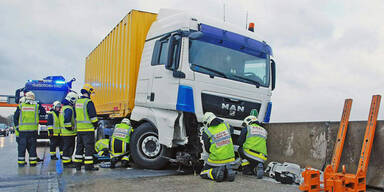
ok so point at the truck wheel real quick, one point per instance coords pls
(146, 151)
(99, 133)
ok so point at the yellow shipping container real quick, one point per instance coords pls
(112, 67)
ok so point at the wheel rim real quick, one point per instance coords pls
(150, 146)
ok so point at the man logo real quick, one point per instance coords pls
(232, 108)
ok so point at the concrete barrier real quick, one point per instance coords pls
(312, 143)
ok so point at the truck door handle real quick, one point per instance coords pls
(152, 97)
(158, 77)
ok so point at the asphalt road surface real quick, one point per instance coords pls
(50, 176)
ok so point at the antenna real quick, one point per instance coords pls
(224, 10)
(246, 20)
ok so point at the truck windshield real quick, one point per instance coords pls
(48, 96)
(234, 64)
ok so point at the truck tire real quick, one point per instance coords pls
(146, 151)
(99, 133)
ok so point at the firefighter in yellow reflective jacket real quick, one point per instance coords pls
(119, 143)
(26, 119)
(218, 143)
(102, 147)
(68, 128)
(54, 130)
(86, 121)
(253, 146)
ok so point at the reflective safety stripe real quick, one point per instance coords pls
(93, 119)
(52, 153)
(220, 162)
(32, 158)
(28, 130)
(208, 133)
(78, 160)
(21, 162)
(32, 162)
(21, 158)
(88, 157)
(88, 162)
(66, 159)
(61, 152)
(245, 162)
(78, 156)
(210, 174)
(256, 156)
(68, 124)
(84, 122)
(85, 130)
(126, 158)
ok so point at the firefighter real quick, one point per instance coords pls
(218, 143)
(68, 128)
(54, 130)
(119, 143)
(253, 146)
(26, 120)
(86, 121)
(102, 147)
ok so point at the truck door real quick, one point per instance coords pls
(164, 89)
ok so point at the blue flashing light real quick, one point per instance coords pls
(185, 99)
(60, 82)
(267, 116)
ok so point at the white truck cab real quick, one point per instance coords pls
(190, 66)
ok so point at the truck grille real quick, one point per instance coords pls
(226, 107)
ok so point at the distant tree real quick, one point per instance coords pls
(3, 120)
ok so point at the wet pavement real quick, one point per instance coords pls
(50, 176)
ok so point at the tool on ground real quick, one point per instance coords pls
(344, 182)
(286, 173)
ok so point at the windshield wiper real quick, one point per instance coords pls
(211, 70)
(249, 80)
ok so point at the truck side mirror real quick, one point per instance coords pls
(273, 68)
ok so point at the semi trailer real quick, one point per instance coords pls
(165, 70)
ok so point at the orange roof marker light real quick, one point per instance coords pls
(251, 27)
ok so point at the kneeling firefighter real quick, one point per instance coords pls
(218, 143)
(253, 146)
(102, 147)
(119, 143)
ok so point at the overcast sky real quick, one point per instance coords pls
(325, 51)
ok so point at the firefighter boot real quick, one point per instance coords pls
(90, 167)
(260, 171)
(230, 173)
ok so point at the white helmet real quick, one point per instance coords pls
(72, 97)
(30, 96)
(56, 104)
(207, 118)
(22, 100)
(250, 120)
(126, 121)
